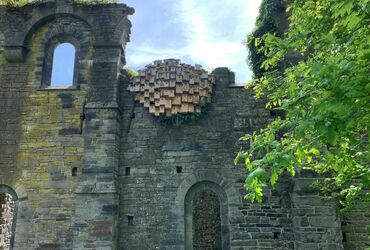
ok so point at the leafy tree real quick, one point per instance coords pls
(272, 19)
(325, 98)
(264, 24)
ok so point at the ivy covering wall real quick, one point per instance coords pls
(272, 19)
(206, 221)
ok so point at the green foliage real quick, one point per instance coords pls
(20, 3)
(325, 98)
(264, 24)
(131, 73)
(182, 118)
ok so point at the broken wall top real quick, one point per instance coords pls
(108, 22)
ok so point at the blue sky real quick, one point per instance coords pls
(63, 65)
(205, 32)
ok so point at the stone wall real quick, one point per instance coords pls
(203, 150)
(160, 164)
(44, 136)
(356, 227)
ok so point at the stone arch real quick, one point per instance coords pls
(9, 209)
(188, 213)
(39, 23)
(52, 32)
(218, 184)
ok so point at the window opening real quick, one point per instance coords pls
(74, 171)
(179, 169)
(127, 171)
(7, 223)
(130, 220)
(63, 65)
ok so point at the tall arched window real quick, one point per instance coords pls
(206, 217)
(8, 211)
(63, 67)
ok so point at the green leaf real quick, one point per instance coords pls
(258, 174)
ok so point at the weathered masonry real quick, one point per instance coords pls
(87, 167)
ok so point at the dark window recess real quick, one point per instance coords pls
(344, 237)
(133, 115)
(130, 220)
(127, 171)
(74, 171)
(178, 169)
(276, 235)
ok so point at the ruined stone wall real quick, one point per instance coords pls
(161, 163)
(44, 154)
(160, 160)
(45, 132)
(136, 176)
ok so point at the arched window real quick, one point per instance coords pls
(63, 67)
(8, 211)
(206, 217)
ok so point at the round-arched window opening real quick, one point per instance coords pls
(8, 210)
(206, 217)
(63, 67)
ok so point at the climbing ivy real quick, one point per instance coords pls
(264, 24)
(182, 118)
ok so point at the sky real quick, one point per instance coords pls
(63, 65)
(206, 32)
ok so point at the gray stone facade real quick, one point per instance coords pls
(90, 168)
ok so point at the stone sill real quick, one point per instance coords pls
(73, 88)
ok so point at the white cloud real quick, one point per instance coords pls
(210, 46)
(213, 31)
(146, 54)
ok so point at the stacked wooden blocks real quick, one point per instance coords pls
(169, 87)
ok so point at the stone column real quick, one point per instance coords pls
(97, 196)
